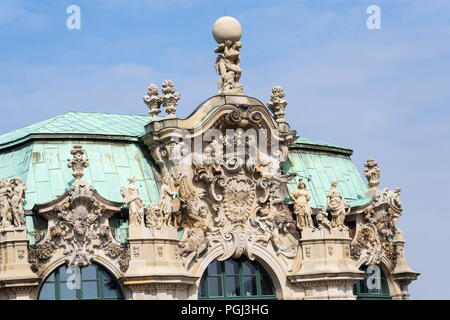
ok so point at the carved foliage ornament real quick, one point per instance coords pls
(79, 225)
(378, 227)
(234, 197)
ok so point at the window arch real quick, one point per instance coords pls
(236, 279)
(92, 282)
(374, 286)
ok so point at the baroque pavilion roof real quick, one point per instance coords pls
(38, 154)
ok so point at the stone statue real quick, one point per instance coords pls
(302, 209)
(153, 101)
(395, 209)
(133, 200)
(17, 202)
(338, 206)
(372, 173)
(12, 200)
(170, 98)
(227, 66)
(322, 219)
(277, 104)
(165, 204)
(78, 163)
(5, 207)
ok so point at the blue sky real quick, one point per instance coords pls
(384, 93)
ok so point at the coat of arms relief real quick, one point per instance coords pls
(229, 185)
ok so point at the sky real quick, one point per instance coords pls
(383, 93)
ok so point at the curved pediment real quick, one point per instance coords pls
(221, 111)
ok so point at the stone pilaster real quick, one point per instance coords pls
(402, 274)
(17, 281)
(327, 270)
(156, 270)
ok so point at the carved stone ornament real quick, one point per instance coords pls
(227, 66)
(153, 101)
(277, 104)
(78, 224)
(372, 173)
(377, 227)
(12, 199)
(78, 163)
(230, 193)
(170, 98)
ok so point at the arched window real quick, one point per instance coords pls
(374, 286)
(236, 279)
(92, 282)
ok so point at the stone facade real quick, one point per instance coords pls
(223, 195)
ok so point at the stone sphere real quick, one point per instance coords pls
(227, 28)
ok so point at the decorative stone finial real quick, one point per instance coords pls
(277, 104)
(78, 163)
(227, 32)
(153, 101)
(170, 98)
(372, 173)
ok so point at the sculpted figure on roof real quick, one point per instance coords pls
(12, 200)
(133, 200)
(5, 207)
(17, 202)
(227, 66)
(322, 219)
(302, 209)
(338, 206)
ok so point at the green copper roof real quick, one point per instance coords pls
(42, 164)
(304, 140)
(318, 170)
(80, 123)
(43, 168)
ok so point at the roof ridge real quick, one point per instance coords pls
(111, 113)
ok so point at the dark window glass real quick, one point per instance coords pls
(48, 291)
(248, 268)
(89, 272)
(68, 291)
(90, 290)
(232, 285)
(90, 282)
(249, 286)
(236, 279)
(373, 286)
(231, 267)
(215, 286)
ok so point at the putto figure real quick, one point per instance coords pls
(227, 66)
(133, 200)
(302, 209)
(338, 206)
(227, 32)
